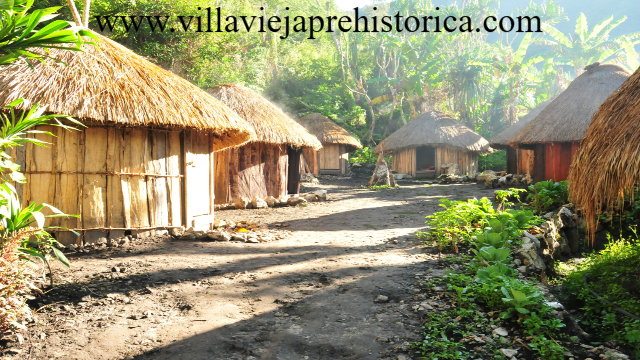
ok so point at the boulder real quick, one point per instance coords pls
(241, 203)
(177, 231)
(283, 200)
(529, 253)
(239, 237)
(219, 223)
(295, 201)
(259, 203)
(271, 201)
(481, 177)
(322, 194)
(310, 197)
(450, 169)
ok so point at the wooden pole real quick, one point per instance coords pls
(85, 15)
(74, 12)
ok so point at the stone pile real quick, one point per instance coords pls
(257, 202)
(242, 231)
(501, 179)
(542, 245)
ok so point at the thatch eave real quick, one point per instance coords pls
(112, 85)
(567, 117)
(271, 124)
(328, 132)
(434, 129)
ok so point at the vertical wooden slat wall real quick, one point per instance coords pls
(255, 169)
(78, 174)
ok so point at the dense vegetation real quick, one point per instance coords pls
(374, 83)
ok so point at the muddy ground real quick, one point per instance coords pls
(309, 295)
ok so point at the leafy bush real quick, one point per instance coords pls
(16, 285)
(613, 274)
(496, 161)
(548, 195)
(364, 155)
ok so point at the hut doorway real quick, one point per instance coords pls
(199, 179)
(293, 176)
(425, 162)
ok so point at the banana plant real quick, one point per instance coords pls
(585, 46)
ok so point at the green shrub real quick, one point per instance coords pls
(613, 274)
(496, 161)
(548, 195)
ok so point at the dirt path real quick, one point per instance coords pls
(309, 295)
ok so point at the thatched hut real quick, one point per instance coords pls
(607, 165)
(337, 143)
(144, 162)
(430, 140)
(269, 165)
(556, 132)
(519, 161)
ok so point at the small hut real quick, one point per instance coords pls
(519, 161)
(430, 140)
(556, 132)
(144, 162)
(607, 165)
(337, 143)
(269, 165)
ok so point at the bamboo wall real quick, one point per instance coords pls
(553, 160)
(524, 162)
(119, 180)
(404, 161)
(332, 159)
(255, 169)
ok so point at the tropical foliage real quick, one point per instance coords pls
(375, 83)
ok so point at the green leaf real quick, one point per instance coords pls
(60, 256)
(39, 218)
(581, 26)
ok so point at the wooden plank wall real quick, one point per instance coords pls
(344, 159)
(525, 161)
(559, 157)
(466, 160)
(311, 157)
(255, 169)
(76, 175)
(404, 161)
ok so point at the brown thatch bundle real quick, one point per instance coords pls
(434, 129)
(329, 132)
(607, 163)
(272, 125)
(112, 84)
(567, 118)
(501, 140)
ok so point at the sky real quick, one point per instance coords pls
(350, 4)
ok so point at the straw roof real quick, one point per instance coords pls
(608, 161)
(272, 125)
(501, 140)
(434, 129)
(110, 84)
(567, 118)
(328, 132)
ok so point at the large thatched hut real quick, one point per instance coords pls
(556, 132)
(269, 165)
(430, 140)
(337, 143)
(607, 165)
(145, 160)
(519, 161)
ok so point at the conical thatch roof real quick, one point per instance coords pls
(501, 140)
(112, 84)
(271, 124)
(328, 132)
(434, 129)
(567, 118)
(608, 160)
